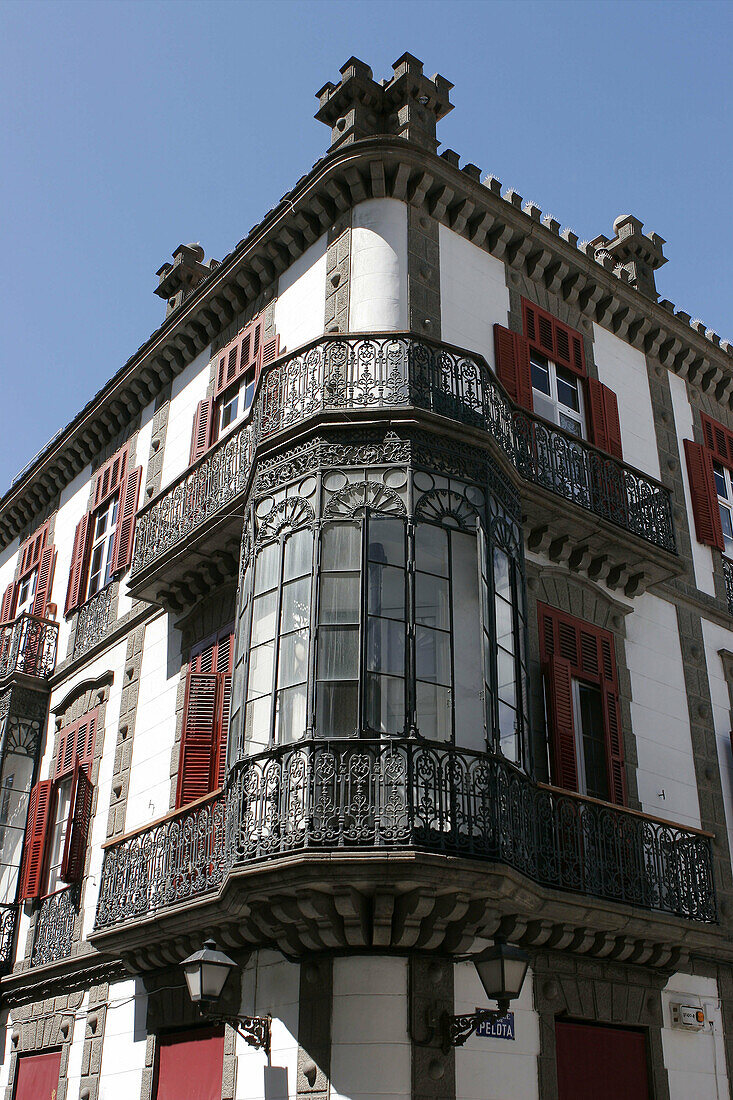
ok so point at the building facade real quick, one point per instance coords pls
(379, 608)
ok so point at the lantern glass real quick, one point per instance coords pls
(206, 972)
(501, 970)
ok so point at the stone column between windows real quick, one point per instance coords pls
(125, 734)
(314, 1029)
(154, 472)
(430, 994)
(423, 273)
(91, 1058)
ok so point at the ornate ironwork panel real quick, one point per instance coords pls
(8, 920)
(407, 794)
(28, 645)
(55, 924)
(728, 574)
(92, 621)
(400, 371)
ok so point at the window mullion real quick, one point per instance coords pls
(363, 626)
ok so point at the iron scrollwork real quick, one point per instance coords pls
(55, 925)
(28, 645)
(92, 621)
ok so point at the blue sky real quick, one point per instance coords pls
(128, 128)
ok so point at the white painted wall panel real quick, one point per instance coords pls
(473, 294)
(300, 308)
(623, 369)
(702, 556)
(142, 456)
(187, 389)
(370, 1054)
(123, 1051)
(659, 712)
(695, 1061)
(496, 1069)
(74, 1067)
(716, 638)
(378, 284)
(155, 725)
(73, 504)
(270, 985)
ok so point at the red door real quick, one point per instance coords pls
(189, 1065)
(37, 1076)
(600, 1063)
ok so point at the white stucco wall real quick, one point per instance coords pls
(270, 985)
(496, 1069)
(125, 1039)
(702, 556)
(187, 389)
(659, 712)
(155, 725)
(142, 457)
(473, 294)
(371, 1052)
(73, 504)
(715, 638)
(695, 1061)
(378, 283)
(623, 369)
(300, 308)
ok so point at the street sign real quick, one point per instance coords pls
(502, 1028)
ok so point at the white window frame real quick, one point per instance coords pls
(103, 539)
(559, 408)
(26, 593)
(60, 825)
(725, 503)
(578, 735)
(238, 392)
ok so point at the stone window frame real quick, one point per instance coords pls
(41, 1027)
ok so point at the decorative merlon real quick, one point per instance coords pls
(635, 251)
(177, 280)
(408, 105)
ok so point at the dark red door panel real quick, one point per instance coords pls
(600, 1063)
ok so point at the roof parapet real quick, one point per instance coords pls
(640, 254)
(177, 280)
(408, 105)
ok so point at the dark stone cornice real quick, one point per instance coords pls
(519, 235)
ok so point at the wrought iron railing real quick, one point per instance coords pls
(397, 371)
(28, 645)
(8, 919)
(406, 794)
(55, 925)
(728, 574)
(92, 620)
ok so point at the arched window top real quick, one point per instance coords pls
(353, 500)
(451, 509)
(283, 517)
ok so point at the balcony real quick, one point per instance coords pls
(8, 920)
(370, 803)
(393, 373)
(28, 645)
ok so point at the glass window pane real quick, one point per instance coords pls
(386, 594)
(434, 712)
(431, 549)
(339, 598)
(432, 653)
(468, 680)
(570, 425)
(338, 653)
(432, 601)
(540, 373)
(298, 554)
(386, 646)
(505, 672)
(341, 546)
(264, 614)
(290, 714)
(502, 581)
(257, 724)
(508, 736)
(567, 390)
(261, 661)
(385, 703)
(387, 541)
(336, 706)
(725, 519)
(293, 663)
(504, 624)
(296, 611)
(720, 486)
(266, 569)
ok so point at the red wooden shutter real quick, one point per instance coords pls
(190, 1064)
(7, 611)
(39, 806)
(270, 352)
(718, 439)
(705, 506)
(558, 673)
(201, 429)
(74, 592)
(44, 582)
(614, 744)
(77, 830)
(31, 550)
(605, 424)
(225, 654)
(125, 533)
(109, 477)
(242, 354)
(77, 739)
(37, 1076)
(198, 759)
(512, 365)
(554, 339)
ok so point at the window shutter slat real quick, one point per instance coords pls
(110, 476)
(718, 439)
(605, 424)
(201, 429)
(270, 352)
(125, 534)
(77, 830)
(199, 746)
(512, 365)
(45, 580)
(705, 507)
(39, 806)
(558, 673)
(614, 743)
(78, 562)
(559, 342)
(7, 611)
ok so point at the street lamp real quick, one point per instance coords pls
(501, 970)
(206, 973)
